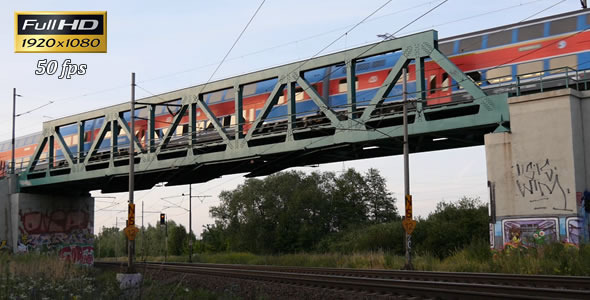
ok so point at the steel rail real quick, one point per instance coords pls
(423, 284)
(553, 281)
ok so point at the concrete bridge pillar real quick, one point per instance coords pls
(59, 224)
(539, 173)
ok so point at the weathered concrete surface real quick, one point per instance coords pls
(63, 225)
(5, 238)
(130, 284)
(539, 171)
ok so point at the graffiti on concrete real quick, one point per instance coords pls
(58, 221)
(78, 254)
(538, 182)
(530, 232)
(67, 232)
(574, 230)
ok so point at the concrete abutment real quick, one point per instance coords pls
(538, 173)
(47, 223)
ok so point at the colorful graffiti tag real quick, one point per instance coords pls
(67, 232)
(58, 221)
(574, 230)
(530, 232)
(78, 254)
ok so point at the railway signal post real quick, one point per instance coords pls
(408, 219)
(131, 217)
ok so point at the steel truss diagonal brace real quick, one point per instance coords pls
(319, 101)
(390, 81)
(457, 74)
(127, 130)
(220, 130)
(64, 148)
(172, 128)
(101, 134)
(273, 98)
(37, 154)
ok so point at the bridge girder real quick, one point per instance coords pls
(342, 135)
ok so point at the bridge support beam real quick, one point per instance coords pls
(62, 225)
(539, 173)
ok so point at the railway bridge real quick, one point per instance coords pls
(535, 142)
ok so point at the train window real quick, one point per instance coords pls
(446, 48)
(215, 97)
(251, 116)
(298, 94)
(475, 76)
(531, 32)
(530, 69)
(379, 63)
(281, 99)
(249, 89)
(87, 136)
(2, 146)
(470, 44)
(564, 25)
(232, 121)
(445, 82)
(343, 88)
(499, 38)
(226, 121)
(498, 75)
(432, 84)
(229, 94)
(560, 63)
(362, 67)
(20, 143)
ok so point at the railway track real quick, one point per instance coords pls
(411, 284)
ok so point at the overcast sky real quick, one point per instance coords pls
(177, 44)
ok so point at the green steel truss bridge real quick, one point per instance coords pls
(358, 131)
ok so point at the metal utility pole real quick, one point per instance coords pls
(14, 94)
(190, 218)
(408, 223)
(166, 232)
(190, 223)
(142, 233)
(131, 216)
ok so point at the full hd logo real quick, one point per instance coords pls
(60, 31)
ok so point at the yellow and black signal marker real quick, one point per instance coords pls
(60, 32)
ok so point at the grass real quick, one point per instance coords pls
(34, 276)
(38, 276)
(552, 259)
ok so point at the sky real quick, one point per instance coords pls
(177, 44)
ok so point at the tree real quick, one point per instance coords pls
(381, 203)
(177, 238)
(293, 211)
(452, 226)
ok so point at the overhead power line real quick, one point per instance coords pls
(233, 45)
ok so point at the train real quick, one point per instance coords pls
(496, 59)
